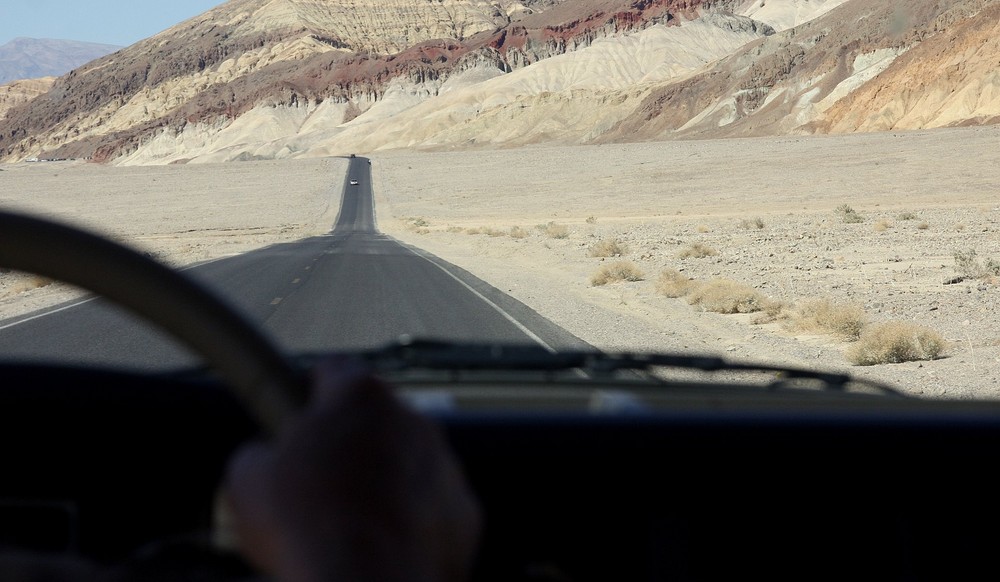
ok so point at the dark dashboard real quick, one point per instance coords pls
(103, 465)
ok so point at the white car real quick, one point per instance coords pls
(354, 182)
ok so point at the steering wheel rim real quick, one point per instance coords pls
(261, 378)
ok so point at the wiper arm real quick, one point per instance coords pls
(410, 354)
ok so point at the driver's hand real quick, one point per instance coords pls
(358, 488)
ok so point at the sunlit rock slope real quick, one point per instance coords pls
(292, 78)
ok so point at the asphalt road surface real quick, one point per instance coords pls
(354, 288)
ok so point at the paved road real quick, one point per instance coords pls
(353, 288)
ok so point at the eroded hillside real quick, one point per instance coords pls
(20, 92)
(294, 78)
(866, 66)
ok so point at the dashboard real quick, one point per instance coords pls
(103, 464)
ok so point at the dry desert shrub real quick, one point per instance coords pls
(702, 228)
(841, 319)
(609, 247)
(697, 251)
(773, 311)
(894, 342)
(518, 232)
(717, 295)
(591, 220)
(969, 266)
(966, 263)
(992, 268)
(672, 283)
(923, 226)
(554, 230)
(455, 229)
(848, 214)
(907, 216)
(756, 223)
(615, 272)
(489, 231)
(25, 283)
(883, 225)
(416, 224)
(726, 296)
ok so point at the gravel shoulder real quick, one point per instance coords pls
(921, 197)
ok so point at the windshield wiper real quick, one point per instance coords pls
(409, 354)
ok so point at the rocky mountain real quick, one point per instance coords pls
(30, 58)
(867, 66)
(285, 78)
(20, 92)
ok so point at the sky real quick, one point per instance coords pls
(117, 22)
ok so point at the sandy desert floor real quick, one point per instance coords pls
(177, 214)
(767, 206)
(922, 196)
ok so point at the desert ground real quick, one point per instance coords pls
(885, 224)
(177, 214)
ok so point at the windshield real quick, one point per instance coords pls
(728, 179)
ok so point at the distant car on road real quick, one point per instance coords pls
(354, 182)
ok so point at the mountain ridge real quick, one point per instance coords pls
(284, 78)
(31, 58)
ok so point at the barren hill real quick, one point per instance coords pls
(865, 66)
(290, 78)
(20, 92)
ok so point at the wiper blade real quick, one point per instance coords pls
(408, 354)
(421, 354)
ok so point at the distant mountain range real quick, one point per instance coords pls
(292, 78)
(30, 58)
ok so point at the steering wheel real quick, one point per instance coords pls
(262, 379)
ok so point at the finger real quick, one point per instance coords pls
(246, 471)
(335, 377)
(246, 489)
